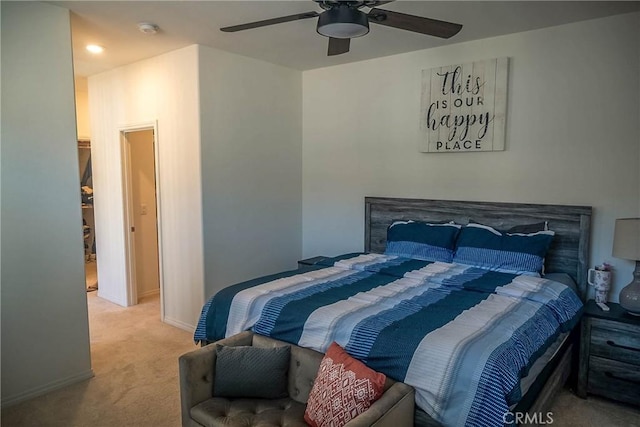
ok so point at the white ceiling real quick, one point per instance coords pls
(112, 24)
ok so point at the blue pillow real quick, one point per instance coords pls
(422, 240)
(485, 247)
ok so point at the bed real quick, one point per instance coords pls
(438, 326)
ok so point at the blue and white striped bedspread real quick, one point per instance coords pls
(461, 336)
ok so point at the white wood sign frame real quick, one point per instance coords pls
(464, 107)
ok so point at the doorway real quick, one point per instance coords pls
(88, 220)
(141, 213)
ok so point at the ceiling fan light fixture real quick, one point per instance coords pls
(343, 22)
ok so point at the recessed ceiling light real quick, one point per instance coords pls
(94, 48)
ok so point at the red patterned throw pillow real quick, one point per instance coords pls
(343, 389)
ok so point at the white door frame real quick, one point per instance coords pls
(127, 193)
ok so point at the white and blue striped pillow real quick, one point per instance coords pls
(519, 253)
(422, 240)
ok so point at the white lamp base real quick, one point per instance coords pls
(630, 294)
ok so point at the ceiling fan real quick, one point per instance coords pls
(343, 20)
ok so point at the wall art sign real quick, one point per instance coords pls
(464, 106)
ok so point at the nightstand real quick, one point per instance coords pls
(609, 354)
(311, 261)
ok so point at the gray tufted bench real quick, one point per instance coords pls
(395, 408)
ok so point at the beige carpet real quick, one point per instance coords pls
(569, 410)
(134, 357)
(135, 361)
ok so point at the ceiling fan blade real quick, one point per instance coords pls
(272, 21)
(338, 46)
(417, 24)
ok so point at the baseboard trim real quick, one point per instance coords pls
(179, 324)
(47, 388)
(111, 298)
(152, 292)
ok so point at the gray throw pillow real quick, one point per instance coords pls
(522, 228)
(246, 371)
(529, 228)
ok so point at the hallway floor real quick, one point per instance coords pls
(135, 360)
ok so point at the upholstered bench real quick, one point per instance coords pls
(199, 408)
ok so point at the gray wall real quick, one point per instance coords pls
(162, 90)
(230, 166)
(251, 160)
(572, 134)
(45, 332)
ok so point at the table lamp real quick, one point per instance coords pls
(626, 244)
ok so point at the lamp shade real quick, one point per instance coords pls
(626, 239)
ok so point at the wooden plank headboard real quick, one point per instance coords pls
(569, 252)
